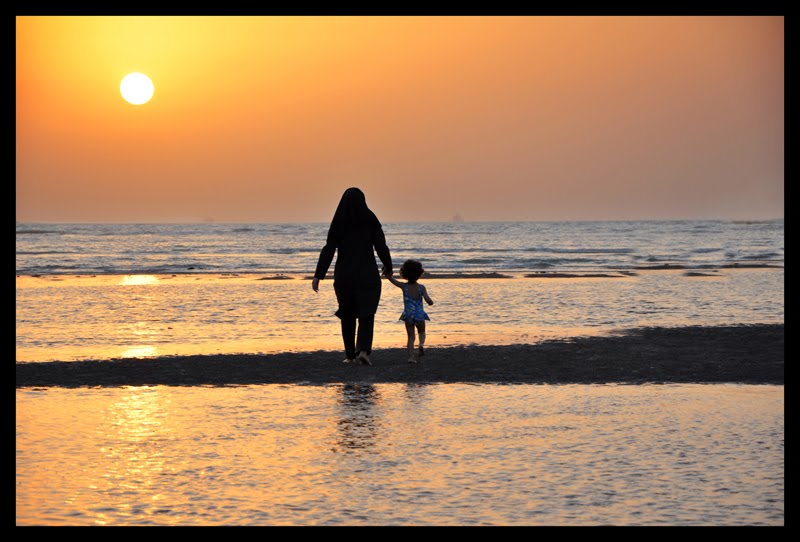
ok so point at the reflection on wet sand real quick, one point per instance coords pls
(416, 392)
(396, 454)
(131, 433)
(359, 421)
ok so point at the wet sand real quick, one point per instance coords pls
(752, 354)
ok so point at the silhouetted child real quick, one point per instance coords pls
(413, 314)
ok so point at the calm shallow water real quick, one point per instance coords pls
(67, 317)
(394, 454)
(95, 291)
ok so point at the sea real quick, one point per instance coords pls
(443, 247)
(391, 454)
(102, 291)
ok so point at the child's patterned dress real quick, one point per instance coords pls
(412, 308)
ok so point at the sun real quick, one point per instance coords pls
(136, 88)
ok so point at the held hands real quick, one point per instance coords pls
(386, 273)
(315, 284)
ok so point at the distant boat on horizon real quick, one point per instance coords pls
(458, 218)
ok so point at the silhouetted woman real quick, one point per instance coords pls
(354, 232)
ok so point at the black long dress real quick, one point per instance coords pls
(355, 232)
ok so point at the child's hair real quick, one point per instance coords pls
(411, 270)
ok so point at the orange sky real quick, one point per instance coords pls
(269, 119)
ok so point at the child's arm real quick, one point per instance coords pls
(424, 291)
(394, 281)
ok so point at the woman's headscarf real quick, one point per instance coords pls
(351, 213)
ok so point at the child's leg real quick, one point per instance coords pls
(421, 329)
(410, 332)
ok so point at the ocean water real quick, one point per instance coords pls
(394, 454)
(121, 290)
(292, 249)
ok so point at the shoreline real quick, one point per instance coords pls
(158, 276)
(746, 354)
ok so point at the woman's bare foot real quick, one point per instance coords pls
(364, 359)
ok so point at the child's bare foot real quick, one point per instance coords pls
(421, 350)
(412, 359)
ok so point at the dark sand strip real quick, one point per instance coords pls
(738, 265)
(545, 275)
(427, 276)
(752, 354)
(491, 275)
(661, 267)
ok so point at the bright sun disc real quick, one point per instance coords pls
(136, 88)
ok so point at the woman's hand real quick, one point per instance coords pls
(315, 284)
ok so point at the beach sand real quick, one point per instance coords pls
(752, 354)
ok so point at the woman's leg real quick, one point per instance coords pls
(349, 336)
(365, 330)
(421, 329)
(410, 344)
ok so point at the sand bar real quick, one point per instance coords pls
(752, 354)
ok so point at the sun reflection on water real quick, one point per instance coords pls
(139, 352)
(131, 433)
(138, 280)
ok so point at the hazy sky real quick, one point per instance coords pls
(270, 119)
